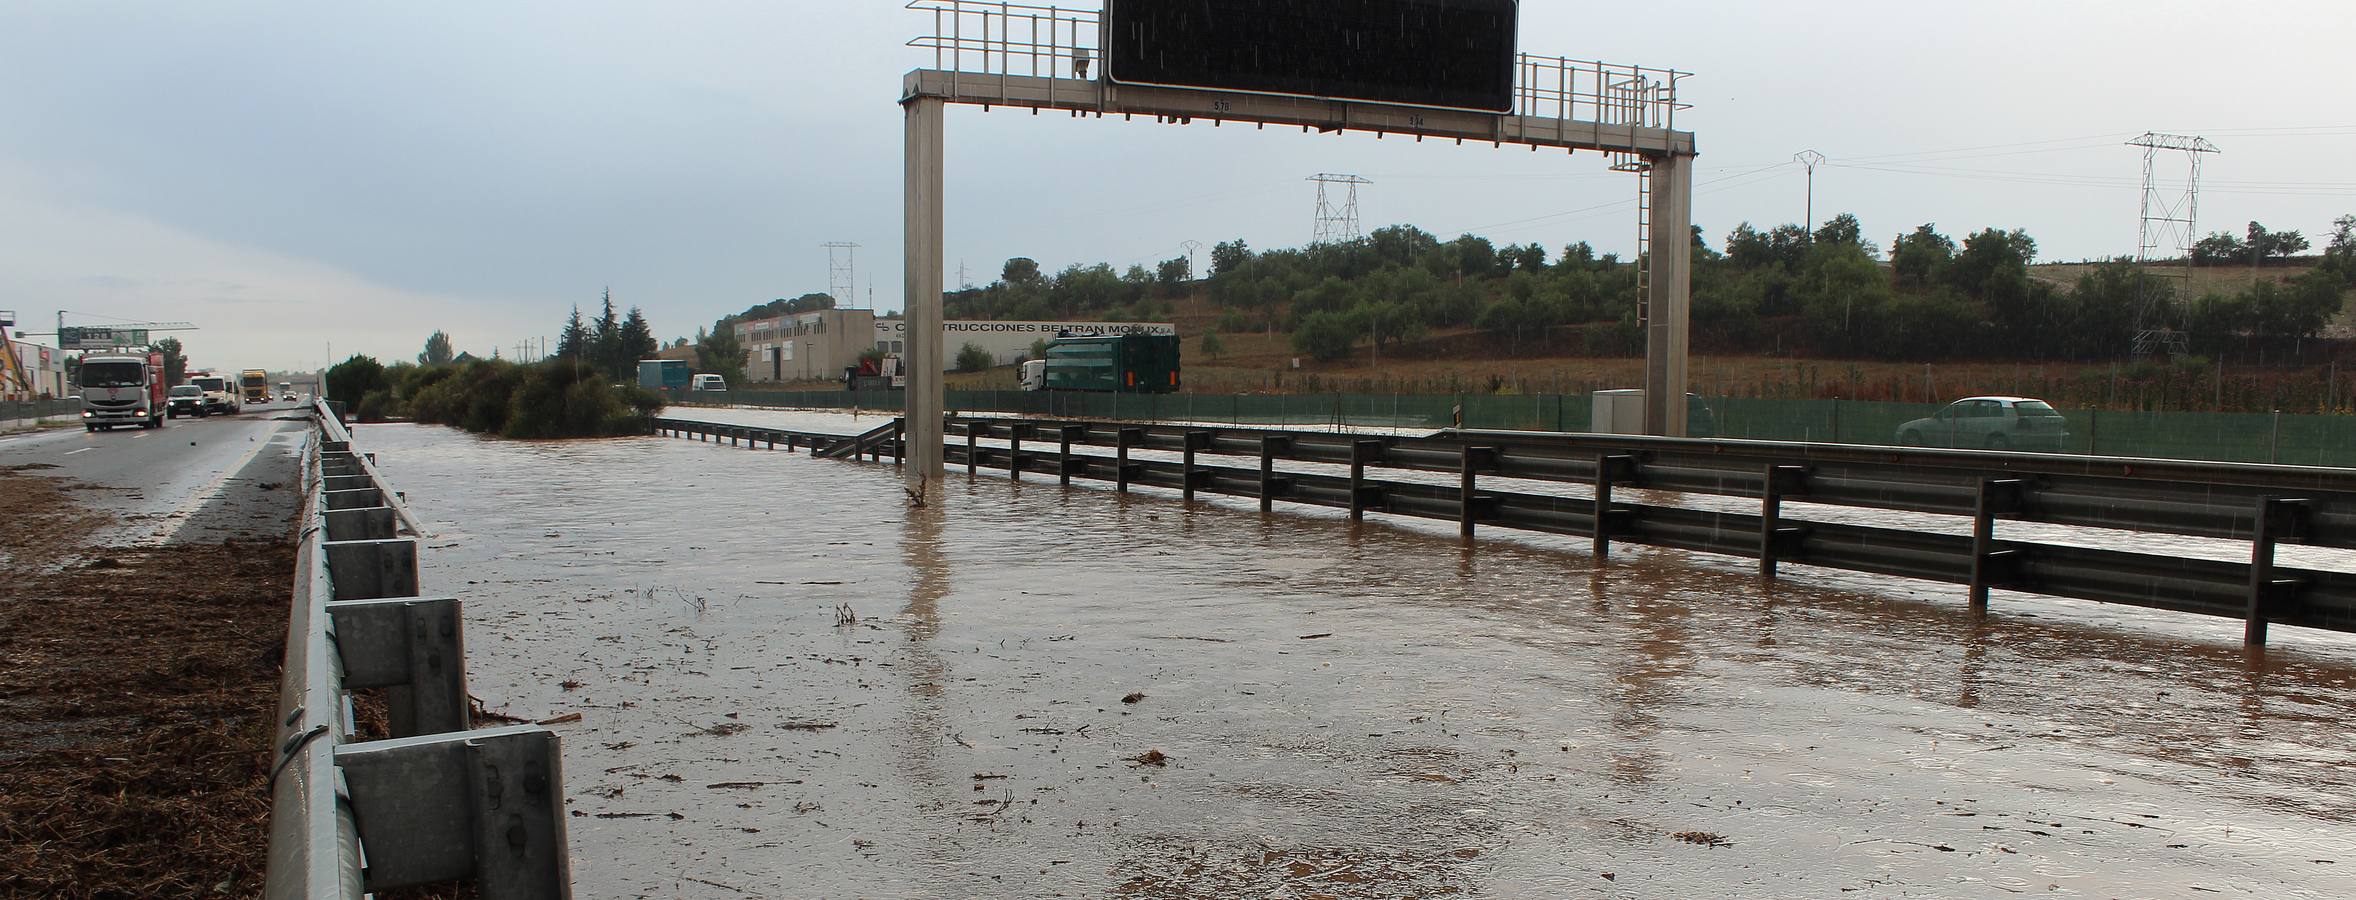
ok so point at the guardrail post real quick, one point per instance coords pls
(1609, 467)
(1014, 452)
(1125, 437)
(1194, 440)
(414, 648)
(367, 523)
(899, 441)
(1778, 481)
(1997, 496)
(1269, 483)
(367, 570)
(1361, 453)
(1468, 501)
(972, 430)
(1063, 463)
(482, 804)
(2277, 519)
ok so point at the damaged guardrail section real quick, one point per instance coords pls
(436, 801)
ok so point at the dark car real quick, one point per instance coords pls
(185, 400)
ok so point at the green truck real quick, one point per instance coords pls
(663, 374)
(1122, 364)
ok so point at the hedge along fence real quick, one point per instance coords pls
(2290, 439)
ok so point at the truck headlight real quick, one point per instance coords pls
(86, 414)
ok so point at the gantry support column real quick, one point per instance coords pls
(923, 357)
(1665, 336)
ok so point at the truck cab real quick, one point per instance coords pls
(1034, 375)
(253, 385)
(122, 390)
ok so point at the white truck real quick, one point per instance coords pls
(122, 390)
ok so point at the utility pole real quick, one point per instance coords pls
(1811, 159)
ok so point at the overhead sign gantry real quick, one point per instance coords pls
(1442, 69)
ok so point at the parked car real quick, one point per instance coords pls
(709, 383)
(1992, 423)
(185, 400)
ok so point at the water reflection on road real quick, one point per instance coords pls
(1328, 709)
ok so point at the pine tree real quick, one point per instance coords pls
(638, 340)
(437, 350)
(573, 341)
(605, 339)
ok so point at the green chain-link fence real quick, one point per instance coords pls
(25, 413)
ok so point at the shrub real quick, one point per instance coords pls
(972, 358)
(353, 379)
(568, 398)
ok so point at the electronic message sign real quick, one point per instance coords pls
(1454, 54)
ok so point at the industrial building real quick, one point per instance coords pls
(818, 346)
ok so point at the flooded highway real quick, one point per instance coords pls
(790, 685)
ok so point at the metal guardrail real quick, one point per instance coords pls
(2265, 505)
(436, 802)
(873, 444)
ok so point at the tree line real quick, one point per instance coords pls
(1825, 291)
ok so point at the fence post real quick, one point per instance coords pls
(2274, 440)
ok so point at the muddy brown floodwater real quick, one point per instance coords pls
(789, 685)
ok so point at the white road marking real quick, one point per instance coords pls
(83, 450)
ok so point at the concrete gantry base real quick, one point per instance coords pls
(1671, 303)
(925, 399)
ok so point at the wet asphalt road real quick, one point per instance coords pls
(792, 686)
(191, 481)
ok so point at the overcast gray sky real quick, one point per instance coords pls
(293, 175)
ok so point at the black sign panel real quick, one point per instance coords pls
(1457, 54)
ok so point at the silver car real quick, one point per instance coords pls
(1992, 423)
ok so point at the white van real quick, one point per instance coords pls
(708, 383)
